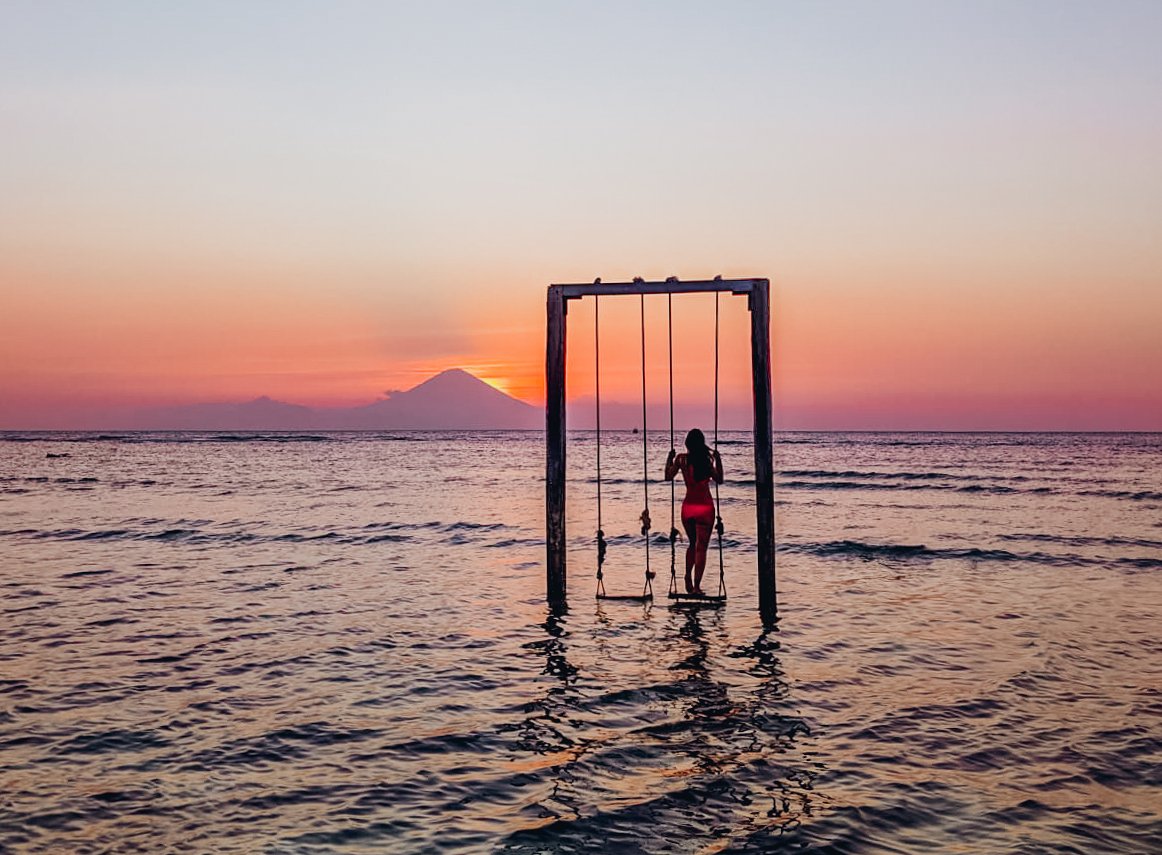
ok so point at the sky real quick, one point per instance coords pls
(959, 205)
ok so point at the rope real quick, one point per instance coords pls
(717, 501)
(673, 498)
(597, 404)
(645, 518)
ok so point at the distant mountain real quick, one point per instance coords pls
(451, 400)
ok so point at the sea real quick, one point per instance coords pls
(317, 643)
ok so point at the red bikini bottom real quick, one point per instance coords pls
(698, 514)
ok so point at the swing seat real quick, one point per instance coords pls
(627, 598)
(697, 599)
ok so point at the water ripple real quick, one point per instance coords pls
(293, 643)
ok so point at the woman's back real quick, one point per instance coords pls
(697, 489)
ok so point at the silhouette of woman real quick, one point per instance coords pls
(698, 465)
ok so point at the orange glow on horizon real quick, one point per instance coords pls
(886, 355)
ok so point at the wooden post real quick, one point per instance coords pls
(764, 476)
(555, 448)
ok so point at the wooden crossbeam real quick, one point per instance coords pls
(668, 286)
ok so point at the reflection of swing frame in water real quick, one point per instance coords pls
(736, 742)
(758, 300)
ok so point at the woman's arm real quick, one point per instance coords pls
(672, 466)
(717, 468)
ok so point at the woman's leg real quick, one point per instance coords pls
(701, 545)
(691, 540)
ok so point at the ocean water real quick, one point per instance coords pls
(339, 643)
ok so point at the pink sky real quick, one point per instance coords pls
(959, 216)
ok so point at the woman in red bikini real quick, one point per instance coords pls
(698, 465)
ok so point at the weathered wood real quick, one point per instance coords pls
(555, 447)
(760, 349)
(758, 293)
(694, 286)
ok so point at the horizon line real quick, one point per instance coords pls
(302, 432)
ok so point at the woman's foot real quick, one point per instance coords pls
(698, 592)
(689, 584)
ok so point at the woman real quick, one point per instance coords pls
(698, 465)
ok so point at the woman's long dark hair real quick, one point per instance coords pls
(699, 455)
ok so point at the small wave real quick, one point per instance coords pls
(278, 746)
(294, 537)
(892, 551)
(378, 533)
(118, 741)
(172, 534)
(856, 549)
(1133, 496)
(831, 485)
(115, 621)
(78, 574)
(1142, 563)
(869, 485)
(1074, 540)
(267, 437)
(853, 473)
(471, 526)
(386, 538)
(110, 534)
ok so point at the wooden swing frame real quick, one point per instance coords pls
(757, 292)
